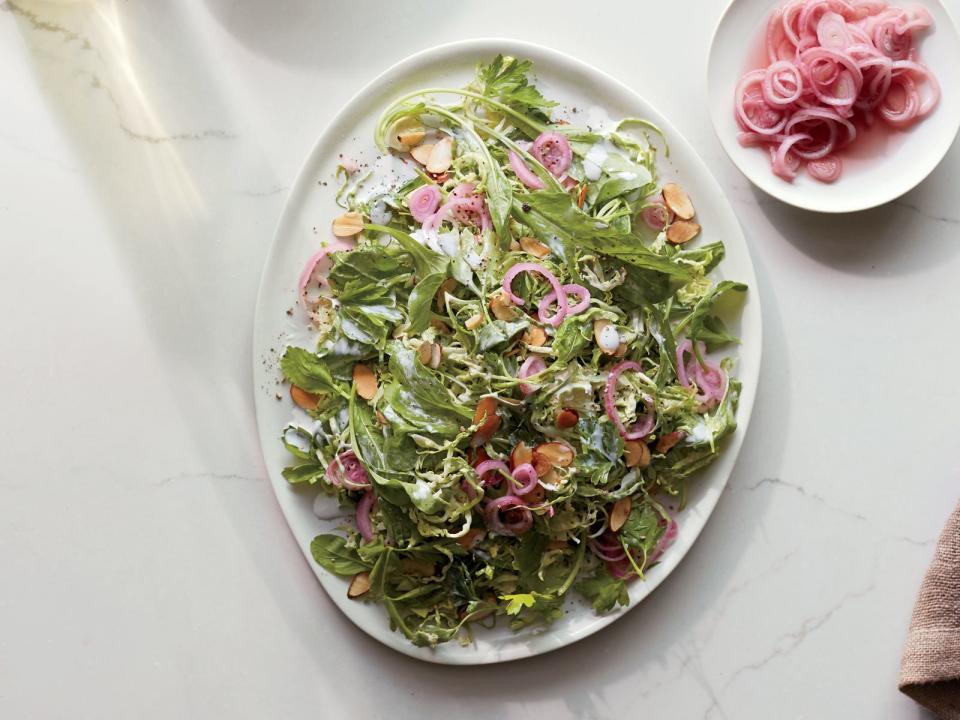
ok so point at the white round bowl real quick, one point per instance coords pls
(884, 168)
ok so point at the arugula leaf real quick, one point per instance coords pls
(642, 529)
(421, 299)
(714, 333)
(694, 321)
(419, 396)
(570, 338)
(604, 591)
(603, 449)
(332, 554)
(554, 215)
(708, 256)
(370, 264)
(367, 313)
(499, 332)
(308, 372)
(306, 473)
(518, 601)
(425, 261)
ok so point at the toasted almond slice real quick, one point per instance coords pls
(411, 135)
(534, 247)
(514, 245)
(470, 538)
(557, 545)
(474, 322)
(440, 326)
(551, 477)
(425, 352)
(365, 381)
(502, 308)
(535, 336)
(348, 224)
(620, 513)
(606, 335)
(421, 153)
(405, 132)
(668, 441)
(487, 419)
(622, 350)
(521, 454)
(441, 156)
(557, 453)
(681, 231)
(360, 585)
(541, 464)
(535, 496)
(637, 453)
(381, 418)
(447, 286)
(567, 418)
(304, 399)
(676, 198)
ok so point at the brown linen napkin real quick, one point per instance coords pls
(930, 669)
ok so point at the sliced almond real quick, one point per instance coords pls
(364, 381)
(381, 418)
(440, 326)
(551, 477)
(620, 513)
(360, 585)
(447, 286)
(668, 441)
(535, 336)
(534, 247)
(682, 231)
(411, 135)
(541, 464)
(567, 418)
(441, 156)
(535, 496)
(487, 419)
(436, 356)
(606, 335)
(676, 198)
(348, 224)
(514, 245)
(468, 540)
(304, 399)
(557, 453)
(637, 453)
(474, 322)
(521, 454)
(622, 350)
(425, 352)
(405, 132)
(502, 308)
(557, 545)
(421, 153)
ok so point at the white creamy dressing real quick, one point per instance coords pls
(326, 507)
(388, 172)
(700, 433)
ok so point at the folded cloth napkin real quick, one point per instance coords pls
(930, 669)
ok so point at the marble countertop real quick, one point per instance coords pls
(147, 149)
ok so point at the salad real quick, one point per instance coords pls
(508, 383)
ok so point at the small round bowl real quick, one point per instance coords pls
(879, 166)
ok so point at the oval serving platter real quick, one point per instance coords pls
(304, 224)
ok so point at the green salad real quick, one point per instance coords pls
(510, 383)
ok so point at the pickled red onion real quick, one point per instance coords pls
(519, 522)
(526, 477)
(531, 366)
(832, 64)
(647, 420)
(363, 516)
(313, 266)
(553, 151)
(424, 202)
(488, 467)
(578, 290)
(550, 278)
(525, 174)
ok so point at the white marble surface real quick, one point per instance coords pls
(147, 572)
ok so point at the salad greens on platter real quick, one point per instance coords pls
(508, 384)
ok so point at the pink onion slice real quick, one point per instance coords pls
(550, 278)
(647, 420)
(346, 471)
(424, 202)
(363, 516)
(531, 366)
(710, 379)
(517, 517)
(553, 151)
(578, 290)
(316, 270)
(825, 169)
(525, 479)
(487, 471)
(525, 174)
